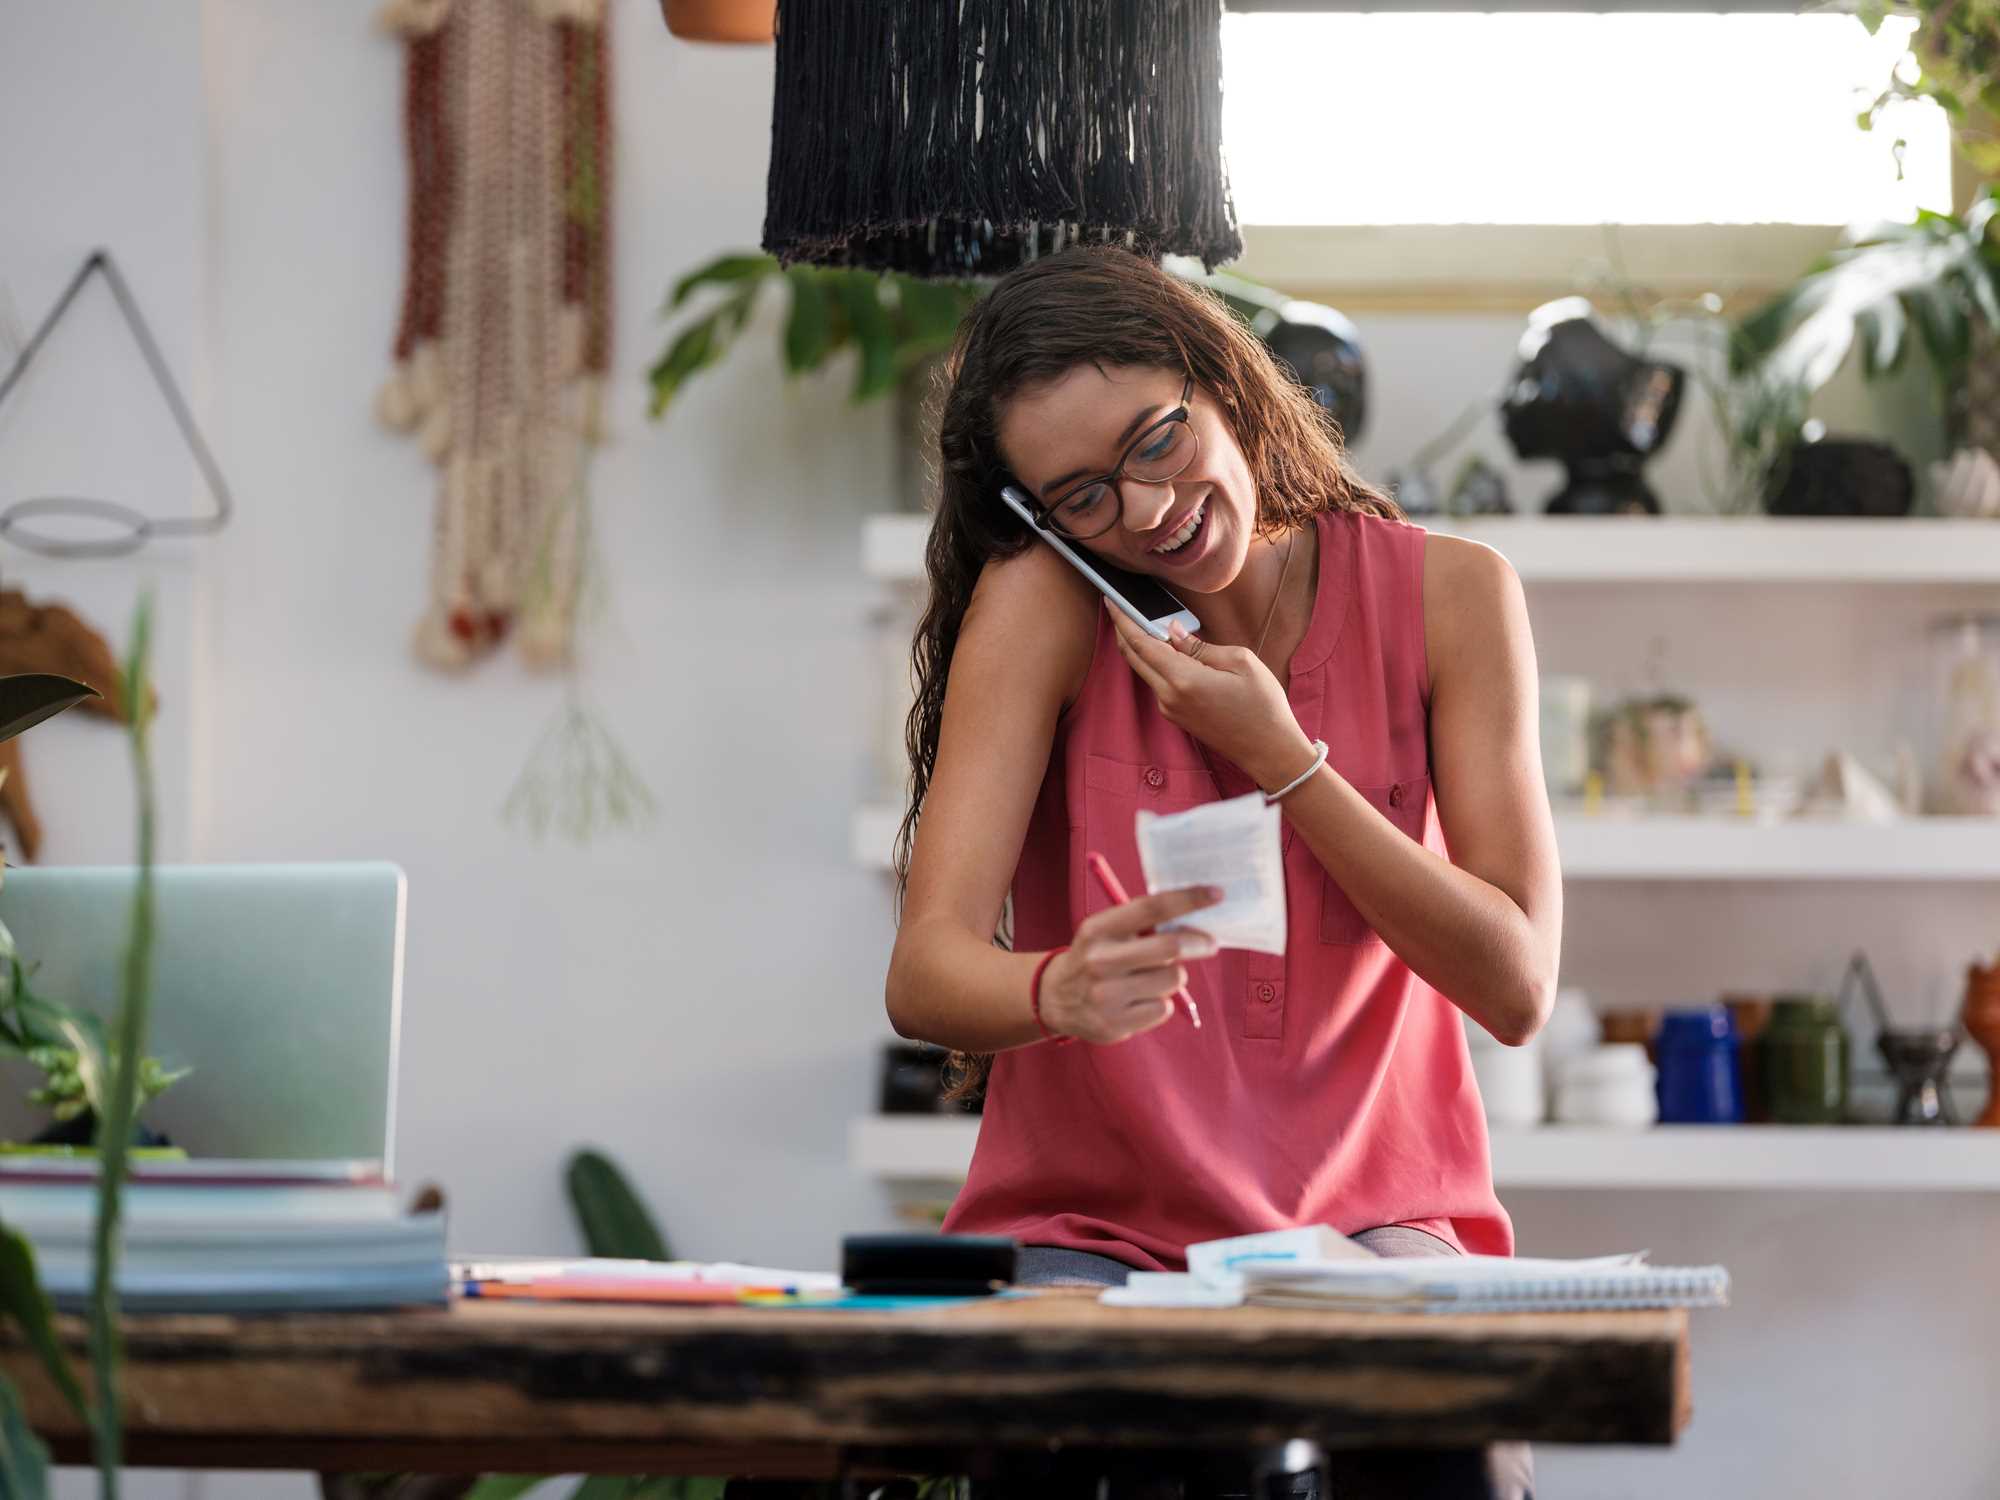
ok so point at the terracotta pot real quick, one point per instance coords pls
(721, 20)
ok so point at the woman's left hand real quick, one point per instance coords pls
(1222, 695)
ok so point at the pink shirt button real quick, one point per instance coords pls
(1155, 777)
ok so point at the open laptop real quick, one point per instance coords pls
(279, 985)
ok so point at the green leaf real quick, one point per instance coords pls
(809, 330)
(726, 270)
(861, 298)
(22, 1299)
(605, 1487)
(27, 698)
(504, 1486)
(696, 347)
(932, 310)
(24, 1461)
(613, 1219)
(1881, 328)
(678, 1487)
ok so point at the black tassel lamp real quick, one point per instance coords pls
(962, 138)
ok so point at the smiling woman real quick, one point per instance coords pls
(1375, 681)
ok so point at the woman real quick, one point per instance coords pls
(1328, 1085)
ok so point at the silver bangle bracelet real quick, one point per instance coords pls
(1319, 759)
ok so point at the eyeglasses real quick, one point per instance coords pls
(1092, 507)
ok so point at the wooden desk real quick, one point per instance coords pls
(507, 1387)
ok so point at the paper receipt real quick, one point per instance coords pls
(1235, 845)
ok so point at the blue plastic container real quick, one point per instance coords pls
(1701, 1078)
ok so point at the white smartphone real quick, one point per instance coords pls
(1141, 599)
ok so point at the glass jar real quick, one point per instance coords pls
(1804, 1058)
(1700, 1081)
(1966, 763)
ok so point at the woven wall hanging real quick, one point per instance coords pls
(963, 138)
(504, 338)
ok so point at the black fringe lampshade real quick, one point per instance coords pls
(963, 137)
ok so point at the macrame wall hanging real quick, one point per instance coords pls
(505, 334)
(963, 138)
(501, 355)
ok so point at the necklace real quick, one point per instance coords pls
(1271, 614)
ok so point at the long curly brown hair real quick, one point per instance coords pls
(1103, 307)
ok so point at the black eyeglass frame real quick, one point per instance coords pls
(1045, 514)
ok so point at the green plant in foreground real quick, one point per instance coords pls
(24, 702)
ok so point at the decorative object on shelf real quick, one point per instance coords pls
(1566, 733)
(1969, 485)
(1750, 1014)
(1576, 396)
(1612, 1085)
(1918, 1057)
(504, 336)
(751, 21)
(1845, 791)
(1842, 477)
(965, 139)
(1967, 649)
(1509, 1078)
(1479, 490)
(49, 641)
(1802, 1062)
(1981, 1019)
(1657, 748)
(112, 527)
(1320, 346)
(1638, 1026)
(1700, 1070)
(1570, 1031)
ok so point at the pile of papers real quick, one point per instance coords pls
(1317, 1267)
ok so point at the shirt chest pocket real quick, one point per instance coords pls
(1406, 804)
(1115, 792)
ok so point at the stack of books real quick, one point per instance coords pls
(231, 1236)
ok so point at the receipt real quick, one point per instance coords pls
(1234, 845)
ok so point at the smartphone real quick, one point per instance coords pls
(1141, 599)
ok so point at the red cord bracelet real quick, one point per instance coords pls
(1035, 998)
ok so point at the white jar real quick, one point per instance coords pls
(1510, 1084)
(1571, 1031)
(1611, 1085)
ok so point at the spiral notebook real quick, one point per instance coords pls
(1484, 1283)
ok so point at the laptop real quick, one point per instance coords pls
(280, 986)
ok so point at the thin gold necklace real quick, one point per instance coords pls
(1271, 614)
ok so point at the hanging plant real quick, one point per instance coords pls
(1954, 59)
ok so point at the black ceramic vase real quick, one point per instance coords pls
(1579, 398)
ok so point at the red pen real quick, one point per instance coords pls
(1115, 894)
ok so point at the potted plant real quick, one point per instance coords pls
(722, 20)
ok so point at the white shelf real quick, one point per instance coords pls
(1641, 549)
(1730, 849)
(1698, 848)
(1852, 1158)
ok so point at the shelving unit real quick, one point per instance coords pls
(920, 1148)
(1611, 848)
(1632, 549)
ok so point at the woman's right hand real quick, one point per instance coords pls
(1118, 977)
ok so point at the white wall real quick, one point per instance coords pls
(703, 998)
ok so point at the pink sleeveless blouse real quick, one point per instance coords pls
(1329, 1085)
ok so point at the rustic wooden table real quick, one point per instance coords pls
(562, 1389)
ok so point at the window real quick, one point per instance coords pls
(1571, 119)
